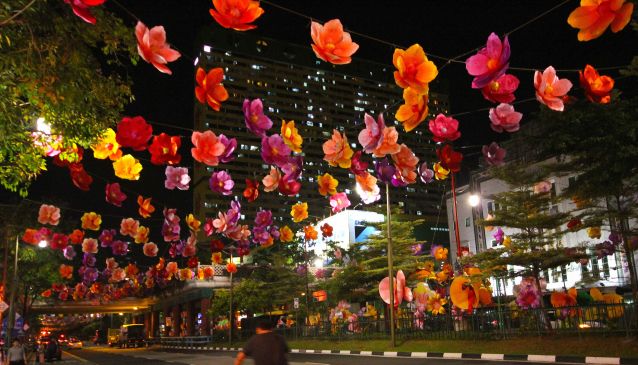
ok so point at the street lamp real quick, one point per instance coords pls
(43, 244)
(474, 200)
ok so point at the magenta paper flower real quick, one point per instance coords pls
(490, 62)
(426, 175)
(230, 144)
(528, 294)
(502, 89)
(256, 121)
(370, 136)
(106, 237)
(274, 150)
(114, 194)
(384, 170)
(69, 253)
(49, 214)
(263, 218)
(499, 235)
(293, 168)
(505, 118)
(339, 202)
(494, 155)
(176, 177)
(550, 90)
(89, 245)
(119, 248)
(358, 166)
(444, 129)
(221, 182)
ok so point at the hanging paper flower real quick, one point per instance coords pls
(550, 90)
(127, 167)
(440, 172)
(190, 250)
(593, 17)
(367, 188)
(114, 194)
(30, 236)
(444, 129)
(493, 154)
(504, 117)
(91, 221)
(216, 258)
(185, 274)
(528, 294)
(59, 241)
(207, 148)
(331, 43)
(49, 214)
(170, 227)
(490, 62)
(384, 170)
(597, 88)
(106, 237)
(299, 212)
(230, 144)
(413, 68)
(221, 182)
(310, 233)
(76, 236)
(145, 207)
(574, 224)
(209, 87)
(450, 159)
(118, 275)
(107, 147)
(131, 270)
(69, 253)
(220, 224)
(274, 151)
(66, 271)
(231, 268)
(176, 177)
(80, 178)
(507, 242)
(81, 8)
(291, 136)
(150, 249)
(256, 121)
(152, 47)
(501, 90)
(439, 252)
(134, 133)
(498, 235)
(164, 150)
(358, 166)
(236, 14)
(371, 136)
(141, 235)
(252, 190)
(337, 150)
(129, 226)
(326, 230)
(289, 187)
(339, 202)
(271, 181)
(426, 175)
(119, 248)
(405, 162)
(327, 184)
(89, 245)
(193, 223)
(388, 144)
(285, 234)
(594, 232)
(414, 110)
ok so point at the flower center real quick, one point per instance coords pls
(492, 64)
(254, 118)
(494, 86)
(330, 46)
(235, 13)
(549, 90)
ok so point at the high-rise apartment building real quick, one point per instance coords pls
(294, 85)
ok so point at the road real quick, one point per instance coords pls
(116, 356)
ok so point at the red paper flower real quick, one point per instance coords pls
(81, 8)
(209, 87)
(236, 14)
(450, 159)
(231, 268)
(252, 190)
(114, 194)
(59, 241)
(216, 245)
(134, 133)
(192, 262)
(76, 237)
(597, 88)
(326, 230)
(30, 236)
(80, 178)
(164, 150)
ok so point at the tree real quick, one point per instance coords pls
(55, 66)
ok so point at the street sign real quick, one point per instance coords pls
(3, 306)
(296, 303)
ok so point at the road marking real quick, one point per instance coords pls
(316, 363)
(541, 358)
(602, 360)
(492, 356)
(452, 355)
(76, 357)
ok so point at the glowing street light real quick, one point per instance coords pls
(474, 200)
(318, 262)
(42, 126)
(43, 244)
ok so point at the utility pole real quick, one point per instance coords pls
(12, 304)
(393, 341)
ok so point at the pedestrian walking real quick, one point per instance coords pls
(16, 355)
(265, 347)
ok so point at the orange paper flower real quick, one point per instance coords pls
(66, 271)
(331, 43)
(414, 110)
(299, 212)
(440, 172)
(337, 150)
(597, 88)
(91, 221)
(285, 234)
(76, 236)
(593, 17)
(209, 87)
(127, 167)
(129, 226)
(146, 208)
(310, 233)
(141, 235)
(413, 68)
(236, 14)
(291, 136)
(406, 161)
(216, 258)
(388, 143)
(231, 267)
(327, 184)
(193, 223)
(49, 214)
(271, 181)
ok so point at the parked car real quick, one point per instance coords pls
(74, 343)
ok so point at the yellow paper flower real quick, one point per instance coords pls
(128, 168)
(141, 236)
(327, 184)
(291, 136)
(440, 173)
(299, 212)
(507, 242)
(216, 258)
(310, 233)
(285, 234)
(593, 232)
(436, 304)
(193, 223)
(91, 221)
(107, 147)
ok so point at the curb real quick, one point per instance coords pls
(596, 360)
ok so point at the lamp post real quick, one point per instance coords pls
(14, 286)
(393, 341)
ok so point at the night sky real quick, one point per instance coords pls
(443, 28)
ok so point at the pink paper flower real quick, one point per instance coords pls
(207, 148)
(111, 264)
(490, 62)
(370, 136)
(271, 181)
(550, 90)
(152, 47)
(505, 118)
(274, 150)
(49, 214)
(81, 8)
(114, 194)
(256, 121)
(89, 245)
(494, 155)
(502, 89)
(150, 249)
(221, 182)
(230, 144)
(444, 129)
(339, 202)
(176, 177)
(129, 226)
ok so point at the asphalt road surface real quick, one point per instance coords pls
(116, 356)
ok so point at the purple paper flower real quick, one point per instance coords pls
(417, 249)
(221, 182)
(615, 238)
(397, 181)
(302, 269)
(89, 275)
(605, 248)
(176, 177)
(119, 248)
(230, 144)
(170, 227)
(499, 235)
(88, 259)
(263, 218)
(274, 232)
(493, 154)
(233, 214)
(384, 170)
(426, 175)
(69, 253)
(274, 150)
(106, 237)
(256, 121)
(293, 168)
